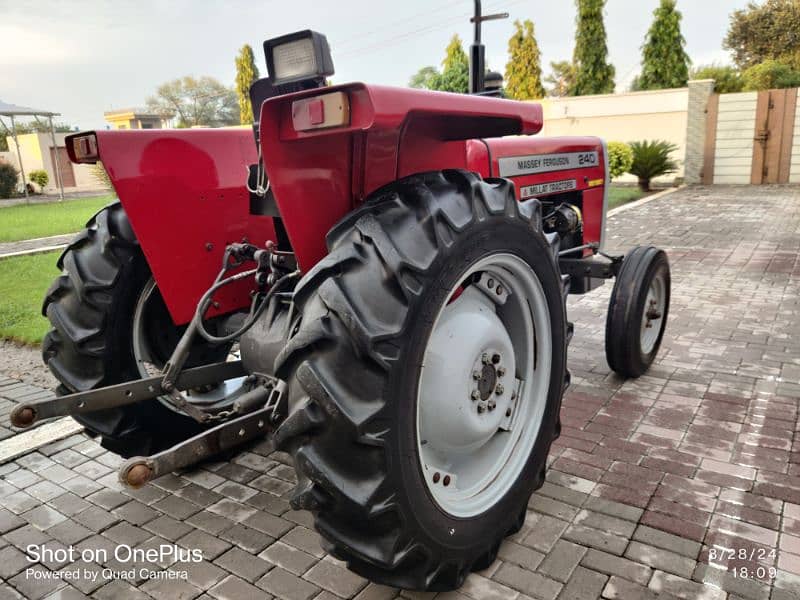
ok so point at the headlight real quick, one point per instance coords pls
(297, 57)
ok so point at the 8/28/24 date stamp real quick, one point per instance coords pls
(745, 563)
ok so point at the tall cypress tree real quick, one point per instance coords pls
(594, 75)
(246, 74)
(665, 63)
(455, 69)
(524, 69)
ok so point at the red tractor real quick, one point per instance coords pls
(376, 286)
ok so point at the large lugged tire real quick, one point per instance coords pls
(637, 311)
(355, 378)
(90, 307)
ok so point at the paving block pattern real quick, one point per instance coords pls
(684, 483)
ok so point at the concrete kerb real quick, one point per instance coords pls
(645, 200)
(40, 250)
(29, 441)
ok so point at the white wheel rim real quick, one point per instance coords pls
(653, 313)
(470, 458)
(148, 367)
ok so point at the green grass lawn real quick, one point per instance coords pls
(23, 283)
(619, 195)
(26, 221)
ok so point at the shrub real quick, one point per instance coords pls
(8, 180)
(727, 79)
(770, 75)
(40, 178)
(620, 159)
(652, 159)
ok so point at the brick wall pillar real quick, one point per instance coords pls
(699, 93)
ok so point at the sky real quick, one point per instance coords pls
(84, 57)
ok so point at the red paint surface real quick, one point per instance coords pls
(319, 176)
(592, 197)
(183, 189)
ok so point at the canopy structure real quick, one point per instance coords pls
(13, 110)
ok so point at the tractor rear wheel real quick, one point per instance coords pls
(426, 377)
(107, 317)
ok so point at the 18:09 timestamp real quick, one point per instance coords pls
(762, 573)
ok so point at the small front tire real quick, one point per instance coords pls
(637, 311)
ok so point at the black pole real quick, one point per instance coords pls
(477, 51)
(477, 56)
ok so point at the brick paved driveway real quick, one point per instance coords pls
(650, 481)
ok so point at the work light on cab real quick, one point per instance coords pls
(300, 56)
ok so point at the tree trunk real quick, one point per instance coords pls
(644, 184)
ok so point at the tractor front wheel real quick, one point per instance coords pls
(637, 311)
(426, 378)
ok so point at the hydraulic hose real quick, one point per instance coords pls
(256, 307)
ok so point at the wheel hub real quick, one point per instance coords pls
(655, 304)
(460, 387)
(487, 376)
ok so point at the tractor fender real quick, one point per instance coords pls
(319, 175)
(184, 193)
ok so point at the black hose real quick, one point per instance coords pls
(256, 310)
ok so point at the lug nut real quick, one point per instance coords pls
(499, 389)
(446, 480)
(485, 358)
(492, 405)
(499, 290)
(508, 412)
(436, 477)
(476, 375)
(490, 283)
(481, 408)
(501, 371)
(495, 358)
(476, 395)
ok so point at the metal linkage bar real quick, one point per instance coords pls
(588, 273)
(25, 415)
(137, 471)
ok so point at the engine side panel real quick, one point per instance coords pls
(560, 166)
(184, 193)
